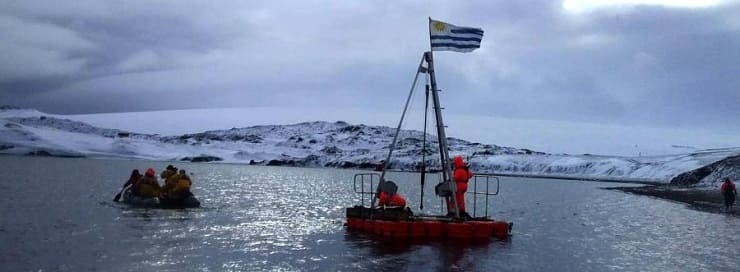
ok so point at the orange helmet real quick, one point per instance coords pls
(150, 172)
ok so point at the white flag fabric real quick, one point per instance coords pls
(449, 37)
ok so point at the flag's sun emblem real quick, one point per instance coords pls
(439, 26)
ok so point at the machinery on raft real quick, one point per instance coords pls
(400, 223)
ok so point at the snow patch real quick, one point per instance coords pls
(322, 144)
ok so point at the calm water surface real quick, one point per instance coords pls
(58, 215)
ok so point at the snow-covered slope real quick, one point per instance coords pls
(322, 144)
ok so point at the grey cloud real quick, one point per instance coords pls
(645, 65)
(35, 49)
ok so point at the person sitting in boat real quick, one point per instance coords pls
(182, 186)
(147, 186)
(460, 175)
(170, 180)
(729, 192)
(391, 200)
(135, 176)
(177, 186)
(169, 171)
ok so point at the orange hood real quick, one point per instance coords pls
(458, 162)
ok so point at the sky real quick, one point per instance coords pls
(660, 66)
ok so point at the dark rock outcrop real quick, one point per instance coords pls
(351, 128)
(347, 164)
(692, 177)
(331, 150)
(62, 154)
(276, 163)
(246, 138)
(202, 158)
(369, 165)
(712, 173)
(42, 153)
(295, 163)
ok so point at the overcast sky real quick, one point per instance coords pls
(639, 63)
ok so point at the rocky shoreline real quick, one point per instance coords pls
(702, 199)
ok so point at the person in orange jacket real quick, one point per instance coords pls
(729, 192)
(460, 175)
(395, 200)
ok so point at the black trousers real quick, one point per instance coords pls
(729, 200)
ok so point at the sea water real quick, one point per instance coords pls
(57, 214)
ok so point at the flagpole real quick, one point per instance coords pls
(443, 153)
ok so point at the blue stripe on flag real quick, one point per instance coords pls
(454, 38)
(467, 31)
(455, 45)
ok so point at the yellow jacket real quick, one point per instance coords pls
(183, 184)
(166, 174)
(147, 187)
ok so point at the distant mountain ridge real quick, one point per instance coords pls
(323, 144)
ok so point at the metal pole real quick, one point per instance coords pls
(475, 194)
(424, 147)
(398, 131)
(443, 153)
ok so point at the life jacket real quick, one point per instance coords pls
(394, 200)
(147, 187)
(182, 185)
(166, 174)
(170, 182)
(172, 179)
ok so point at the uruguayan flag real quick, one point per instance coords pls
(448, 37)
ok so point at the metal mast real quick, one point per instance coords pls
(444, 155)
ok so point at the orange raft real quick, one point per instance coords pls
(400, 224)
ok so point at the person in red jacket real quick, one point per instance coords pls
(460, 175)
(729, 192)
(395, 200)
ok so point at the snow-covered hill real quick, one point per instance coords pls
(322, 144)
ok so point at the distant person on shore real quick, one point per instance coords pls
(729, 192)
(147, 186)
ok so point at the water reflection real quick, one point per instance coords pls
(418, 255)
(272, 218)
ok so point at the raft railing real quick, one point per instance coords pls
(362, 179)
(483, 187)
(487, 179)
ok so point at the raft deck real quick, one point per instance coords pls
(400, 223)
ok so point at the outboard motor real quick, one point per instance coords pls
(443, 189)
